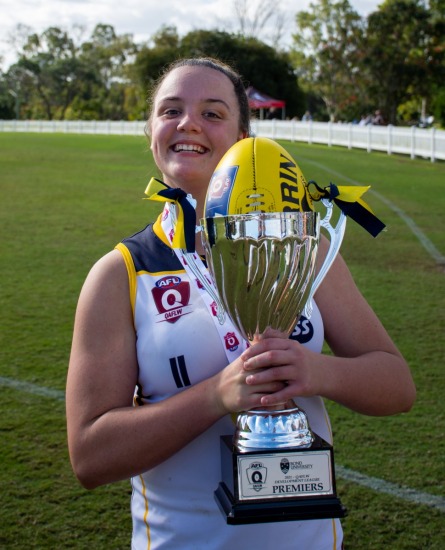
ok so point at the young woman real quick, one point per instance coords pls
(165, 434)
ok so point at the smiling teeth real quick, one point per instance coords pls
(187, 147)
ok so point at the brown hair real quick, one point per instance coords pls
(217, 65)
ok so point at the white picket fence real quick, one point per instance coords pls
(415, 142)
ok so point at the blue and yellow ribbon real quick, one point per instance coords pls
(349, 199)
(184, 236)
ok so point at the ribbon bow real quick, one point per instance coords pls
(348, 199)
(184, 236)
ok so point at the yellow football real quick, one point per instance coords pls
(257, 175)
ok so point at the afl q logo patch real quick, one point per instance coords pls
(257, 474)
(304, 331)
(284, 465)
(171, 297)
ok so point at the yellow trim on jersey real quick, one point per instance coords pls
(159, 273)
(159, 232)
(131, 273)
(147, 525)
(334, 533)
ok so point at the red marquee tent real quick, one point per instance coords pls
(258, 100)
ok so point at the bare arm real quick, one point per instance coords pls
(108, 438)
(367, 374)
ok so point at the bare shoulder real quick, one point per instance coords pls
(104, 349)
(109, 270)
(104, 306)
(106, 286)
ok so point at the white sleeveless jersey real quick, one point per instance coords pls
(173, 505)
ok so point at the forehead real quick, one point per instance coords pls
(197, 82)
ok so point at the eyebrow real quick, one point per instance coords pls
(207, 100)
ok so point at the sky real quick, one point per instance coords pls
(140, 18)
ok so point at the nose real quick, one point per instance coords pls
(189, 122)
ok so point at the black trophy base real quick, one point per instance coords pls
(267, 512)
(238, 511)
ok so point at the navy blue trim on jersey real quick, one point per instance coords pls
(150, 254)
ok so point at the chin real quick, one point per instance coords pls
(188, 179)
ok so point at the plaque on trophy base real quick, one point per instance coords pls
(285, 484)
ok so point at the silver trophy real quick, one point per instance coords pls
(263, 267)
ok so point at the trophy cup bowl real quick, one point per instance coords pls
(263, 267)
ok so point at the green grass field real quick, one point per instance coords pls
(67, 199)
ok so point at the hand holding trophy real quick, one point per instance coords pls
(261, 235)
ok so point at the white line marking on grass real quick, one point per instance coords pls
(423, 239)
(32, 388)
(376, 484)
(381, 486)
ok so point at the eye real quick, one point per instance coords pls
(170, 112)
(212, 114)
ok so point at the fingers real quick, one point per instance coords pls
(266, 375)
(269, 352)
(236, 395)
(270, 372)
(256, 398)
(272, 387)
(284, 361)
(285, 395)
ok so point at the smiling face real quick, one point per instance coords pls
(195, 120)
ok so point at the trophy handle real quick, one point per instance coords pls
(336, 237)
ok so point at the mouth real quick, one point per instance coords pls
(188, 148)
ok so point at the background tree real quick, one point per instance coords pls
(327, 53)
(260, 65)
(56, 78)
(151, 59)
(265, 20)
(104, 75)
(11, 94)
(49, 60)
(398, 55)
(7, 101)
(436, 96)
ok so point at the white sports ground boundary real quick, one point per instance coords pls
(412, 141)
(376, 484)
